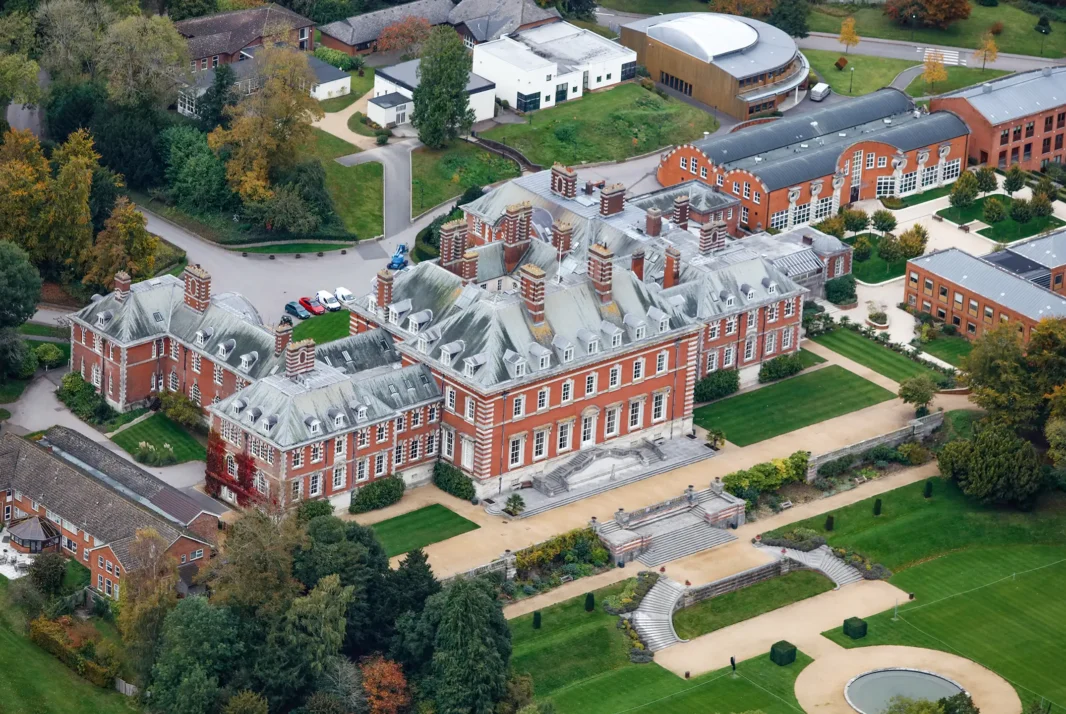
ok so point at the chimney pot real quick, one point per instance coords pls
(197, 287)
(612, 199)
(532, 283)
(653, 222)
(562, 234)
(282, 337)
(638, 264)
(564, 181)
(672, 272)
(680, 215)
(299, 358)
(807, 240)
(122, 285)
(600, 269)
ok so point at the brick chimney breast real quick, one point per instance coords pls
(282, 337)
(517, 220)
(600, 270)
(532, 280)
(680, 215)
(122, 285)
(612, 199)
(672, 272)
(562, 233)
(468, 267)
(653, 222)
(453, 240)
(384, 292)
(564, 181)
(638, 264)
(197, 287)
(712, 237)
(299, 358)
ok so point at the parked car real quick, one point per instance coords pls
(328, 301)
(344, 295)
(820, 91)
(296, 310)
(399, 259)
(312, 305)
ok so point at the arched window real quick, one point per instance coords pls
(231, 465)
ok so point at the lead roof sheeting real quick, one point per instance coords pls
(994, 283)
(1049, 251)
(1017, 95)
(405, 74)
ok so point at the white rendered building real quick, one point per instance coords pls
(392, 103)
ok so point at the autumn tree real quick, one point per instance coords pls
(997, 372)
(988, 51)
(912, 242)
(124, 244)
(148, 594)
(791, 17)
(25, 192)
(442, 109)
(73, 37)
(884, 221)
(848, 36)
(929, 13)
(145, 59)
(246, 702)
(269, 127)
(745, 8)
(986, 179)
(385, 686)
(889, 248)
(18, 72)
(933, 70)
(70, 232)
(406, 35)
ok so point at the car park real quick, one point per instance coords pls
(344, 295)
(312, 305)
(326, 299)
(296, 310)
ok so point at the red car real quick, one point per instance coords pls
(312, 305)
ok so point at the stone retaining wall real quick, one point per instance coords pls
(699, 593)
(916, 429)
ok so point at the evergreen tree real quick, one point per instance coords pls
(20, 286)
(877, 507)
(411, 584)
(212, 107)
(590, 602)
(829, 523)
(441, 102)
(791, 17)
(927, 492)
(1003, 468)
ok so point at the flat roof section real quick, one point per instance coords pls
(390, 100)
(405, 74)
(514, 53)
(572, 46)
(1016, 95)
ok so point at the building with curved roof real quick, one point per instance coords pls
(738, 65)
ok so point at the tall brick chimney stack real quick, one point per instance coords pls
(532, 278)
(197, 287)
(453, 239)
(638, 264)
(712, 237)
(600, 269)
(282, 337)
(516, 225)
(680, 215)
(562, 232)
(612, 199)
(384, 293)
(564, 181)
(653, 222)
(672, 273)
(122, 285)
(299, 358)
(468, 267)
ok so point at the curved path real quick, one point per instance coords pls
(820, 687)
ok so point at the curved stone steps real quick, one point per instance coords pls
(823, 560)
(654, 619)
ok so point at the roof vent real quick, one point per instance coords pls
(803, 146)
(887, 121)
(758, 159)
(1046, 71)
(842, 134)
(986, 88)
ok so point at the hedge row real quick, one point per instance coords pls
(377, 494)
(780, 367)
(717, 385)
(451, 480)
(52, 638)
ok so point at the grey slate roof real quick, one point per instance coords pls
(390, 100)
(405, 74)
(360, 29)
(246, 68)
(156, 308)
(994, 283)
(821, 243)
(122, 475)
(702, 197)
(1016, 95)
(1049, 251)
(356, 353)
(796, 149)
(74, 495)
(228, 32)
(491, 19)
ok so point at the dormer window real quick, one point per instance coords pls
(593, 347)
(568, 354)
(249, 359)
(640, 332)
(445, 357)
(423, 344)
(664, 324)
(520, 369)
(238, 406)
(315, 426)
(268, 423)
(201, 338)
(751, 295)
(394, 316)
(729, 301)
(412, 324)
(468, 369)
(361, 414)
(254, 414)
(338, 421)
(616, 339)
(545, 361)
(772, 289)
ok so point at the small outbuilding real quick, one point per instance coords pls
(394, 87)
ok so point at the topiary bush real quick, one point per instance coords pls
(49, 355)
(536, 620)
(717, 385)
(841, 291)
(780, 367)
(855, 628)
(377, 494)
(451, 480)
(830, 522)
(783, 653)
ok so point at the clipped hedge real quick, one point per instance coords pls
(451, 480)
(377, 494)
(855, 628)
(338, 59)
(783, 653)
(780, 367)
(767, 476)
(802, 539)
(717, 385)
(51, 636)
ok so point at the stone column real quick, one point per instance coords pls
(793, 196)
(942, 154)
(923, 159)
(838, 184)
(899, 162)
(816, 192)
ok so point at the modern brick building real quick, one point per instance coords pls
(976, 294)
(222, 38)
(801, 169)
(68, 495)
(1039, 260)
(1017, 119)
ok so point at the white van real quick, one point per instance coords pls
(820, 91)
(328, 301)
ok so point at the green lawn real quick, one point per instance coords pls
(355, 123)
(870, 73)
(749, 602)
(958, 77)
(437, 176)
(809, 359)
(323, 328)
(158, 430)
(34, 682)
(310, 248)
(12, 389)
(37, 330)
(655, 7)
(949, 349)
(418, 529)
(64, 347)
(871, 354)
(604, 126)
(931, 194)
(1017, 36)
(120, 419)
(874, 269)
(358, 192)
(1008, 231)
(580, 661)
(76, 577)
(791, 404)
(360, 86)
(959, 423)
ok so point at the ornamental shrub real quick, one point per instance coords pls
(536, 620)
(1040, 205)
(783, 653)
(717, 385)
(855, 220)
(49, 355)
(338, 59)
(590, 602)
(836, 467)
(780, 367)
(1021, 210)
(377, 494)
(451, 480)
(313, 509)
(829, 523)
(862, 249)
(841, 291)
(928, 491)
(994, 211)
(855, 628)
(877, 507)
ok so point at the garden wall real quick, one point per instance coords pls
(504, 564)
(699, 593)
(916, 429)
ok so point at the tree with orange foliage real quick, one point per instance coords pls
(384, 685)
(930, 13)
(848, 36)
(407, 35)
(747, 8)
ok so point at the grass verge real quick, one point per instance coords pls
(287, 248)
(323, 328)
(949, 349)
(791, 404)
(12, 389)
(809, 359)
(358, 192)
(437, 176)
(874, 269)
(862, 74)
(158, 430)
(871, 354)
(924, 196)
(958, 77)
(37, 330)
(420, 528)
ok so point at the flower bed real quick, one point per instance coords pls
(631, 596)
(542, 567)
(867, 568)
(802, 539)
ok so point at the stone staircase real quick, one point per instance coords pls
(557, 480)
(682, 542)
(654, 619)
(823, 560)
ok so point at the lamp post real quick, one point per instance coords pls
(851, 80)
(914, 17)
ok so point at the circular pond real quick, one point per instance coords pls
(870, 693)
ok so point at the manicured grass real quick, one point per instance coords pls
(653, 7)
(593, 26)
(809, 359)
(77, 576)
(12, 389)
(323, 328)
(874, 269)
(326, 147)
(358, 192)
(870, 73)
(871, 354)
(36, 330)
(437, 176)
(355, 123)
(122, 418)
(995, 606)
(34, 682)
(418, 529)
(949, 349)
(749, 602)
(959, 422)
(791, 404)
(310, 248)
(360, 86)
(931, 194)
(605, 126)
(158, 430)
(1008, 231)
(580, 661)
(958, 77)
(1017, 36)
